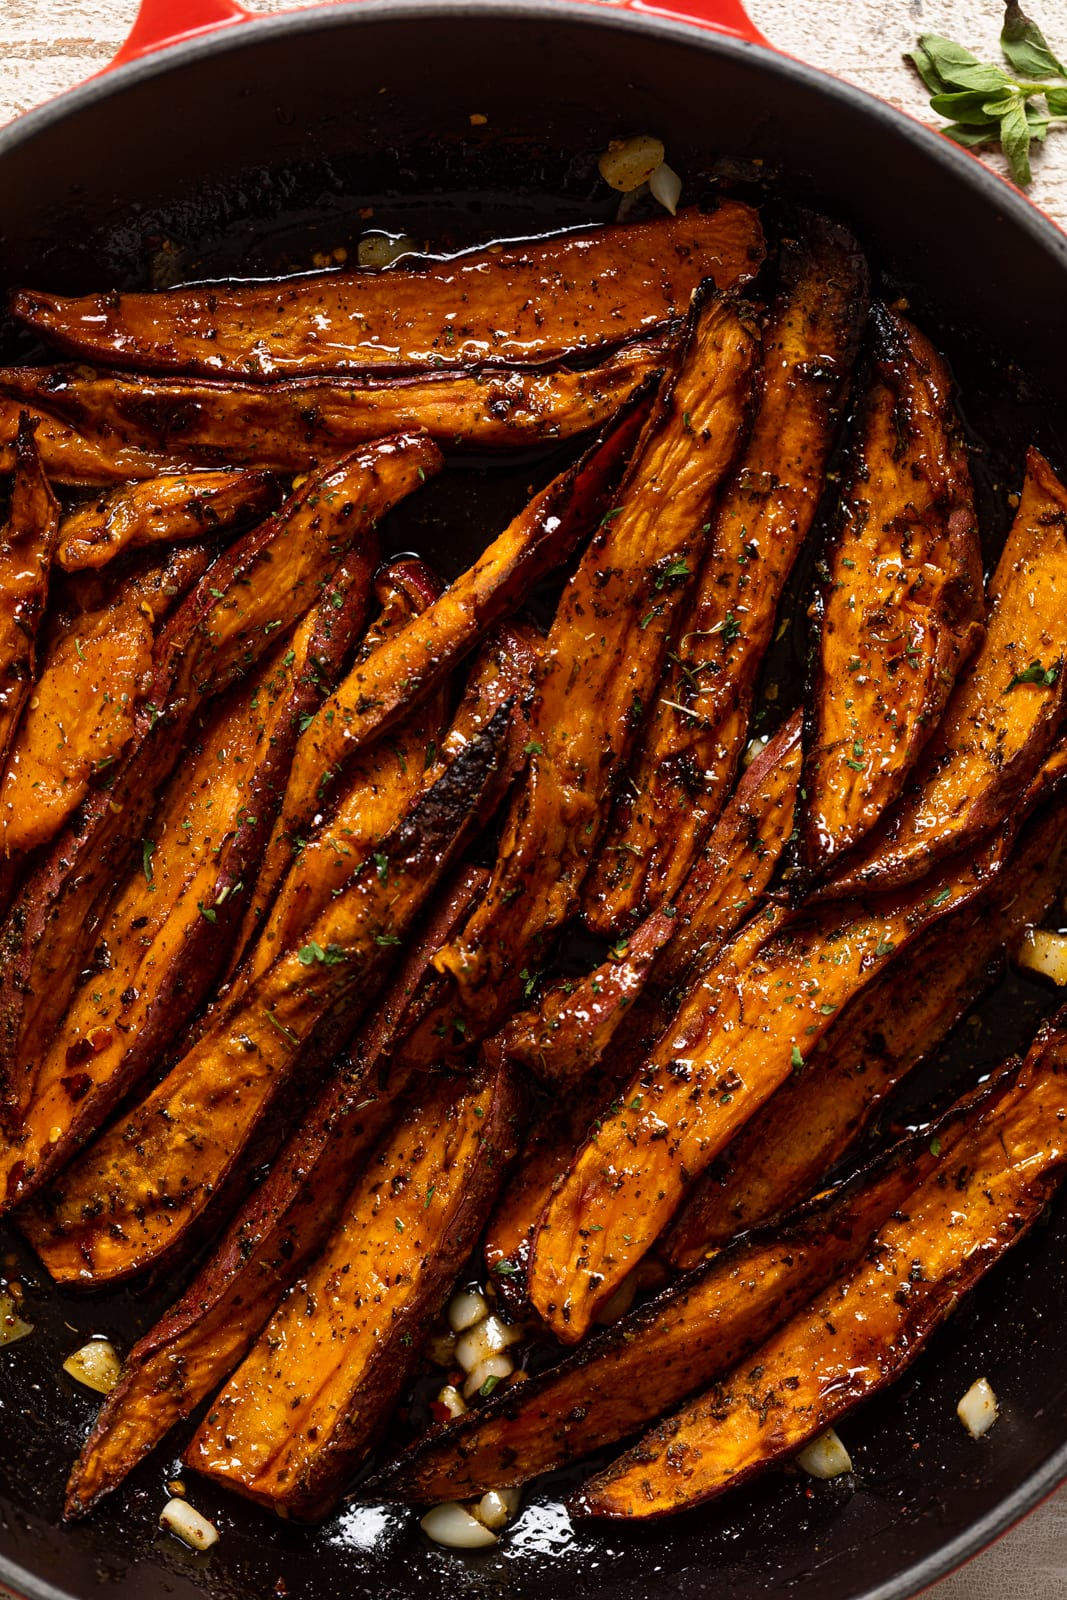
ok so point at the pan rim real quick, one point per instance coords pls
(956, 163)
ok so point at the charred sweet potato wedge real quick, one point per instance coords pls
(165, 510)
(135, 1197)
(248, 600)
(167, 930)
(687, 760)
(902, 609)
(27, 545)
(736, 864)
(989, 1187)
(654, 1357)
(382, 688)
(577, 1019)
(72, 458)
(283, 1224)
(314, 1394)
(299, 874)
(1004, 713)
(522, 304)
(137, 427)
(602, 660)
(80, 717)
(751, 1021)
(780, 1156)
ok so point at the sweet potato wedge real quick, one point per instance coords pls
(314, 1394)
(567, 1034)
(687, 760)
(901, 610)
(691, 1333)
(299, 873)
(27, 545)
(165, 934)
(80, 717)
(283, 1224)
(165, 510)
(135, 1197)
(1004, 713)
(70, 457)
(858, 1335)
(753, 1019)
(381, 689)
(515, 304)
(812, 1121)
(250, 597)
(602, 658)
(142, 425)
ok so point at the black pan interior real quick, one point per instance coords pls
(249, 155)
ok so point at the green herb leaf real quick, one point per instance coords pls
(796, 1060)
(1035, 673)
(487, 1387)
(1015, 141)
(148, 850)
(935, 1147)
(1026, 47)
(507, 1269)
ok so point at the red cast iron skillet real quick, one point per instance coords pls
(243, 148)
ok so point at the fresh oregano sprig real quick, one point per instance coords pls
(986, 104)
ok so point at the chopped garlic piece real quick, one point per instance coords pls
(186, 1524)
(453, 1525)
(666, 187)
(12, 1326)
(825, 1456)
(628, 163)
(978, 1409)
(497, 1507)
(1046, 953)
(96, 1365)
(465, 1309)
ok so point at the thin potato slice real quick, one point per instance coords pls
(687, 760)
(248, 600)
(812, 1121)
(514, 304)
(603, 657)
(1004, 713)
(283, 1224)
(136, 1196)
(750, 1022)
(623, 1377)
(902, 608)
(989, 1187)
(314, 1394)
(167, 510)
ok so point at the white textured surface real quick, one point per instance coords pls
(49, 45)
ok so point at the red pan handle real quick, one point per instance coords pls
(164, 22)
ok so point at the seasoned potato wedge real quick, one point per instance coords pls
(165, 510)
(989, 1186)
(166, 931)
(284, 1222)
(902, 609)
(749, 1023)
(810, 1123)
(247, 600)
(136, 1196)
(652, 1358)
(139, 427)
(313, 1395)
(603, 657)
(1004, 713)
(27, 545)
(381, 689)
(515, 304)
(687, 760)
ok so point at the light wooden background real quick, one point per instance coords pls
(47, 46)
